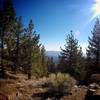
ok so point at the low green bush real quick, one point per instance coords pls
(61, 83)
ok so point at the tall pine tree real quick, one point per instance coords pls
(44, 60)
(93, 51)
(71, 57)
(30, 31)
(7, 21)
(19, 33)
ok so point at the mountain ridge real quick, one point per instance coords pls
(53, 53)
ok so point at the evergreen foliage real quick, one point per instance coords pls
(20, 47)
(50, 65)
(93, 51)
(71, 58)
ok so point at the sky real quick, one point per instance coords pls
(54, 19)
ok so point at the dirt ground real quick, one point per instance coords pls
(20, 88)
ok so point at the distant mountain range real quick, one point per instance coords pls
(53, 54)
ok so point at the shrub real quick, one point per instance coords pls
(61, 83)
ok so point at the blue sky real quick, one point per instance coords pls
(53, 20)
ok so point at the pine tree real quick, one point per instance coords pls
(9, 11)
(37, 67)
(31, 51)
(9, 23)
(7, 17)
(1, 46)
(24, 52)
(44, 59)
(19, 32)
(69, 53)
(30, 48)
(80, 68)
(71, 57)
(93, 51)
(50, 65)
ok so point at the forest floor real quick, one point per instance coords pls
(18, 87)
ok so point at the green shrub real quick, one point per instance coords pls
(61, 83)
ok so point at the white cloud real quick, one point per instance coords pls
(77, 33)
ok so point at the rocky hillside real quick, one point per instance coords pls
(18, 87)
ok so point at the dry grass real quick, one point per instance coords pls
(77, 94)
(7, 86)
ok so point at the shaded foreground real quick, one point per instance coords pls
(19, 87)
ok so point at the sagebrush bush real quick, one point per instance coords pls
(61, 82)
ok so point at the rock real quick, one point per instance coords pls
(94, 86)
(97, 92)
(92, 90)
(75, 86)
(83, 86)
